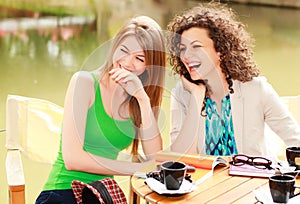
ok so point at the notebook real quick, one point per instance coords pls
(252, 171)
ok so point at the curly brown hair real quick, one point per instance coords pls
(229, 36)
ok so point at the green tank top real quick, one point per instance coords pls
(104, 137)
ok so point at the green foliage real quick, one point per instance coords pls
(53, 7)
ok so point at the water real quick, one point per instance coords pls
(39, 63)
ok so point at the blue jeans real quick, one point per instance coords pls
(56, 197)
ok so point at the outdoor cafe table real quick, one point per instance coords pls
(219, 188)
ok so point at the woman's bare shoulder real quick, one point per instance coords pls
(82, 77)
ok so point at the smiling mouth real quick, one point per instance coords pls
(194, 66)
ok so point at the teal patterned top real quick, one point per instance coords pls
(219, 139)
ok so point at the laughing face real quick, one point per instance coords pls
(129, 55)
(197, 53)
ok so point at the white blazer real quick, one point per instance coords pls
(253, 104)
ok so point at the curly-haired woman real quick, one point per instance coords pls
(221, 104)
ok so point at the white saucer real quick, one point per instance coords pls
(158, 187)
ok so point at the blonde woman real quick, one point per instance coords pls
(110, 109)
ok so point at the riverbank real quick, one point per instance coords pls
(55, 7)
(277, 3)
(88, 7)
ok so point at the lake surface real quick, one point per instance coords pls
(39, 62)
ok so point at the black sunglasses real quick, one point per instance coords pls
(258, 162)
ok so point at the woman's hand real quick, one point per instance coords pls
(192, 87)
(128, 80)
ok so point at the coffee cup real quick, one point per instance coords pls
(282, 187)
(293, 156)
(172, 174)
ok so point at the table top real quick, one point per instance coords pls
(219, 188)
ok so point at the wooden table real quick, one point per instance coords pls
(220, 188)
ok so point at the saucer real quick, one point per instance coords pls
(285, 168)
(158, 187)
(264, 196)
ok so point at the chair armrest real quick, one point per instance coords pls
(14, 168)
(15, 177)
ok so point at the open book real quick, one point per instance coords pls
(199, 161)
(217, 161)
(205, 162)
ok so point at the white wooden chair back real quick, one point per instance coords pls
(278, 146)
(33, 128)
(293, 104)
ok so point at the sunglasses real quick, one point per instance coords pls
(258, 162)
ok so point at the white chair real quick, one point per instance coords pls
(33, 128)
(293, 105)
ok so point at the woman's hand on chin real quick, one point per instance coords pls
(129, 81)
(192, 87)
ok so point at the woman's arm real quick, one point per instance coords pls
(79, 97)
(187, 138)
(150, 135)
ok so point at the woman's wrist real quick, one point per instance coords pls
(198, 91)
(142, 97)
(198, 96)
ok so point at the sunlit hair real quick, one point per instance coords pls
(150, 37)
(229, 36)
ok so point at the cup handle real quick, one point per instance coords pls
(297, 173)
(161, 174)
(293, 195)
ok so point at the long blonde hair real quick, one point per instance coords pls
(150, 37)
